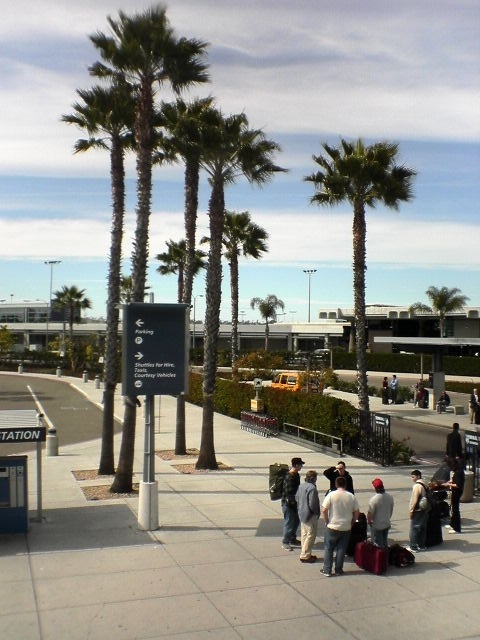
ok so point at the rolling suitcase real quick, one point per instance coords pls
(358, 534)
(371, 558)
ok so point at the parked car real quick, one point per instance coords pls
(296, 381)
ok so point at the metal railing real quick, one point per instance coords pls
(317, 437)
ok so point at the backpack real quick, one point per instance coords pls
(426, 502)
(399, 556)
(276, 477)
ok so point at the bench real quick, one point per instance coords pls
(456, 409)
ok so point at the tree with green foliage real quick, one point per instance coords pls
(241, 236)
(107, 115)
(174, 262)
(268, 308)
(7, 340)
(233, 151)
(363, 176)
(143, 51)
(443, 301)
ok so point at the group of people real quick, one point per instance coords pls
(390, 390)
(339, 508)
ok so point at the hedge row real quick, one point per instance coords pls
(314, 411)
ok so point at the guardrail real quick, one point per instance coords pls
(317, 437)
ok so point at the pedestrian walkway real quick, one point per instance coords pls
(215, 568)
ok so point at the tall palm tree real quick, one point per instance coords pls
(268, 310)
(107, 115)
(174, 262)
(241, 236)
(233, 151)
(363, 176)
(443, 301)
(144, 52)
(184, 125)
(72, 300)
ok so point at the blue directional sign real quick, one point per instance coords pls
(154, 349)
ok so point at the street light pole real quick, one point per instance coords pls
(200, 295)
(49, 311)
(309, 273)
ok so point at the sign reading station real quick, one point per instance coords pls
(22, 434)
(154, 349)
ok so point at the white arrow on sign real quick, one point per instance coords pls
(139, 323)
(139, 355)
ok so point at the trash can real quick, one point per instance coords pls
(467, 494)
(13, 494)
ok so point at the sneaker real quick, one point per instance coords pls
(422, 549)
(296, 543)
(339, 572)
(309, 559)
(454, 531)
(328, 575)
(412, 549)
(287, 547)
(447, 526)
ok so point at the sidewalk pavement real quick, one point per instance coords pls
(215, 568)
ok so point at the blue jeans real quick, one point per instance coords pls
(334, 540)
(291, 522)
(418, 529)
(380, 536)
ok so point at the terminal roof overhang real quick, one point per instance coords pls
(427, 345)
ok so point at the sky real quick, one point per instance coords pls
(307, 72)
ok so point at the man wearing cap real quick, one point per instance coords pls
(380, 509)
(291, 520)
(308, 512)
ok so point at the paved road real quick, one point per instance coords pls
(75, 418)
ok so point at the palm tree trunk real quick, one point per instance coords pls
(143, 138)
(191, 208)
(206, 458)
(359, 268)
(267, 331)
(234, 296)
(117, 172)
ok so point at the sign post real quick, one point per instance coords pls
(154, 363)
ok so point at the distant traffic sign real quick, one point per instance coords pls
(154, 349)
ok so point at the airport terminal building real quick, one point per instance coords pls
(32, 325)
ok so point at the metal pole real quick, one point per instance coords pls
(49, 310)
(149, 444)
(309, 273)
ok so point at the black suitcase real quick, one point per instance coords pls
(434, 528)
(358, 534)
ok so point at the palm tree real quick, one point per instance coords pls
(174, 262)
(233, 151)
(362, 176)
(184, 124)
(107, 115)
(241, 236)
(72, 300)
(443, 301)
(144, 52)
(268, 310)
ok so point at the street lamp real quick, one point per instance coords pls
(309, 273)
(242, 314)
(200, 295)
(293, 315)
(49, 311)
